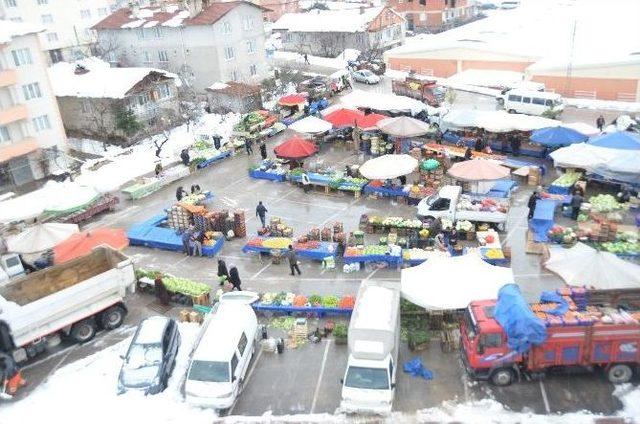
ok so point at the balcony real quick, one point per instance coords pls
(13, 114)
(18, 148)
(8, 77)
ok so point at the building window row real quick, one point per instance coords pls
(21, 57)
(155, 32)
(4, 135)
(31, 91)
(41, 123)
(10, 3)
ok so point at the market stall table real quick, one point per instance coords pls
(266, 175)
(210, 161)
(542, 220)
(290, 309)
(392, 191)
(153, 233)
(394, 261)
(502, 189)
(454, 151)
(324, 250)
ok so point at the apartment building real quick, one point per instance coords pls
(202, 41)
(31, 131)
(68, 34)
(434, 15)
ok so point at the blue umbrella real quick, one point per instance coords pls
(557, 136)
(622, 140)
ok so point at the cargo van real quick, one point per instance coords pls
(223, 351)
(530, 102)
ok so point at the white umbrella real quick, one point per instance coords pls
(403, 126)
(388, 166)
(40, 237)
(453, 282)
(311, 125)
(584, 265)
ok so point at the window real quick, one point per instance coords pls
(42, 2)
(234, 365)
(52, 36)
(112, 58)
(10, 3)
(301, 37)
(422, 2)
(537, 101)
(41, 123)
(164, 91)
(147, 57)
(234, 75)
(242, 344)
(31, 91)
(4, 135)
(47, 19)
(253, 70)
(251, 46)
(226, 27)
(441, 204)
(514, 98)
(287, 37)
(142, 99)
(163, 56)
(526, 100)
(157, 32)
(247, 23)
(21, 57)
(548, 103)
(229, 53)
(491, 340)
(102, 11)
(85, 14)
(85, 106)
(55, 55)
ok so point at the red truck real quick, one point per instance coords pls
(600, 331)
(425, 90)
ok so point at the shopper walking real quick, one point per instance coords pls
(263, 150)
(180, 193)
(248, 145)
(306, 59)
(576, 202)
(186, 236)
(234, 278)
(600, 123)
(293, 261)
(531, 204)
(223, 274)
(306, 183)
(261, 212)
(184, 156)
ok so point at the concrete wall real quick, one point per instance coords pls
(597, 88)
(220, 102)
(198, 51)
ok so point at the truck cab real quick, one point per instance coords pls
(485, 353)
(369, 385)
(440, 205)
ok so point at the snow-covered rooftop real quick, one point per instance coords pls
(101, 81)
(10, 29)
(351, 20)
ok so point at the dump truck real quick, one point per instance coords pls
(74, 299)
(369, 381)
(423, 89)
(595, 331)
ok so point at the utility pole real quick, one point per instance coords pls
(567, 85)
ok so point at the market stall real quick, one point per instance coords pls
(314, 250)
(329, 180)
(391, 255)
(343, 117)
(104, 203)
(388, 167)
(292, 304)
(291, 108)
(481, 173)
(557, 136)
(311, 125)
(181, 290)
(490, 248)
(563, 184)
(403, 127)
(268, 169)
(295, 148)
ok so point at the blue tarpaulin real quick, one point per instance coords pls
(557, 136)
(415, 368)
(542, 220)
(554, 297)
(522, 327)
(623, 140)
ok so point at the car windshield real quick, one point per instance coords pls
(367, 378)
(366, 73)
(210, 371)
(431, 199)
(143, 355)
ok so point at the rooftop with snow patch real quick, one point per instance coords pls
(352, 20)
(11, 29)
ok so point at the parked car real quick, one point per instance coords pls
(366, 76)
(151, 356)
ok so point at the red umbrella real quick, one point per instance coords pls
(344, 117)
(292, 99)
(370, 120)
(81, 244)
(295, 148)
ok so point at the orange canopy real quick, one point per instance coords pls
(80, 244)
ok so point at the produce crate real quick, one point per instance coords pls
(450, 339)
(533, 247)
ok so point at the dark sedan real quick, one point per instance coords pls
(151, 356)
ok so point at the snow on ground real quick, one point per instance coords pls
(338, 62)
(85, 391)
(632, 107)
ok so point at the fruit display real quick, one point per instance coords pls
(300, 301)
(193, 199)
(330, 301)
(395, 222)
(493, 253)
(271, 242)
(604, 203)
(446, 223)
(567, 179)
(621, 247)
(347, 183)
(347, 302)
(562, 235)
(467, 203)
(185, 286)
(464, 226)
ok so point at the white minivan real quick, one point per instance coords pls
(223, 351)
(530, 102)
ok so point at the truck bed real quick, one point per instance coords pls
(43, 283)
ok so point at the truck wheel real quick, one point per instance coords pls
(511, 111)
(619, 373)
(112, 318)
(83, 331)
(502, 377)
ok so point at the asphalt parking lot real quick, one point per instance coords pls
(306, 379)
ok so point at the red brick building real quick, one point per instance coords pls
(277, 8)
(434, 14)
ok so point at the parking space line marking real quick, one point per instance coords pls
(544, 397)
(254, 276)
(324, 363)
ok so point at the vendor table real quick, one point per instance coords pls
(214, 159)
(326, 249)
(289, 310)
(526, 149)
(104, 203)
(324, 180)
(264, 175)
(454, 151)
(151, 233)
(542, 220)
(554, 189)
(140, 190)
(392, 191)
(502, 189)
(392, 260)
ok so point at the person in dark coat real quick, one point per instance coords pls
(293, 261)
(478, 145)
(248, 145)
(234, 278)
(158, 169)
(515, 143)
(10, 374)
(223, 273)
(468, 154)
(600, 123)
(263, 150)
(576, 202)
(531, 203)
(185, 237)
(261, 212)
(180, 193)
(161, 291)
(216, 141)
(184, 156)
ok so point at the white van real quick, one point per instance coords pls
(223, 351)
(530, 102)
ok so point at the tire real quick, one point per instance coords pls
(511, 111)
(112, 318)
(83, 331)
(502, 377)
(619, 373)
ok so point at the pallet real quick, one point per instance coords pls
(533, 247)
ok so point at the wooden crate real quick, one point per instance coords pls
(533, 247)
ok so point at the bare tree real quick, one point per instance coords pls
(188, 105)
(108, 49)
(99, 115)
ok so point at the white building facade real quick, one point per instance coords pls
(31, 131)
(68, 34)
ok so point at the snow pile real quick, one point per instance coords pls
(101, 80)
(85, 391)
(380, 101)
(346, 20)
(338, 62)
(10, 29)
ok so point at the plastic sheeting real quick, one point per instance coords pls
(554, 297)
(453, 282)
(620, 140)
(514, 315)
(584, 265)
(311, 125)
(380, 101)
(496, 121)
(557, 136)
(542, 220)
